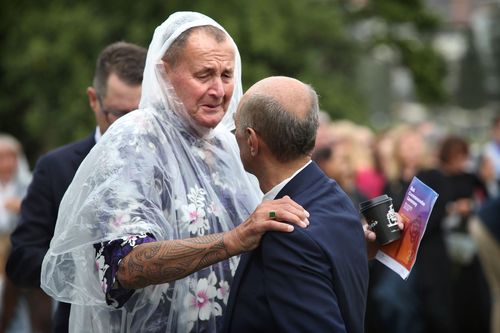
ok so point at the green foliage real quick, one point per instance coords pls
(471, 92)
(49, 49)
(428, 69)
(408, 29)
(47, 67)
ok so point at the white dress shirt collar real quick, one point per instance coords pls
(271, 194)
(97, 134)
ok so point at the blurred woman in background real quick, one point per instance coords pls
(14, 180)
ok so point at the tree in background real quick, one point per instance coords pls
(471, 92)
(49, 50)
(407, 28)
(401, 68)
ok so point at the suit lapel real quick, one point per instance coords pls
(233, 292)
(81, 150)
(85, 146)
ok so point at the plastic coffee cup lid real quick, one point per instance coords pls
(373, 202)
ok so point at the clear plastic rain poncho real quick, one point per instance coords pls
(154, 171)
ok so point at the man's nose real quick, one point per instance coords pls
(217, 88)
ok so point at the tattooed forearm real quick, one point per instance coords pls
(165, 261)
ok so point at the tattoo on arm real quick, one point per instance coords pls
(165, 261)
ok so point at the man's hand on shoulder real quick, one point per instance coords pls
(273, 215)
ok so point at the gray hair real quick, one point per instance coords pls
(11, 142)
(126, 60)
(287, 136)
(174, 52)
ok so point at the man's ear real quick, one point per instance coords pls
(92, 95)
(253, 141)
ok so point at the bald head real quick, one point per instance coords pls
(294, 96)
(284, 112)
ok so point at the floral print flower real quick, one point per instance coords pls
(102, 267)
(132, 239)
(194, 213)
(215, 209)
(200, 304)
(195, 217)
(220, 182)
(119, 219)
(223, 291)
(197, 196)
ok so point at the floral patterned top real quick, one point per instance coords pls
(206, 299)
(208, 290)
(108, 257)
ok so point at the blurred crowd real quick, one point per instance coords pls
(448, 289)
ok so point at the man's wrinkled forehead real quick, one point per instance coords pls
(204, 55)
(178, 46)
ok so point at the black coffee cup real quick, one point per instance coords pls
(380, 216)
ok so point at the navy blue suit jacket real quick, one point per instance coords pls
(31, 239)
(311, 280)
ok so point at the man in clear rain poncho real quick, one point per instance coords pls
(147, 232)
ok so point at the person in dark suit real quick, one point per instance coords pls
(313, 279)
(116, 91)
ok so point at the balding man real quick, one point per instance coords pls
(314, 279)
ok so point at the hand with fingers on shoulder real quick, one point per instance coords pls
(274, 215)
